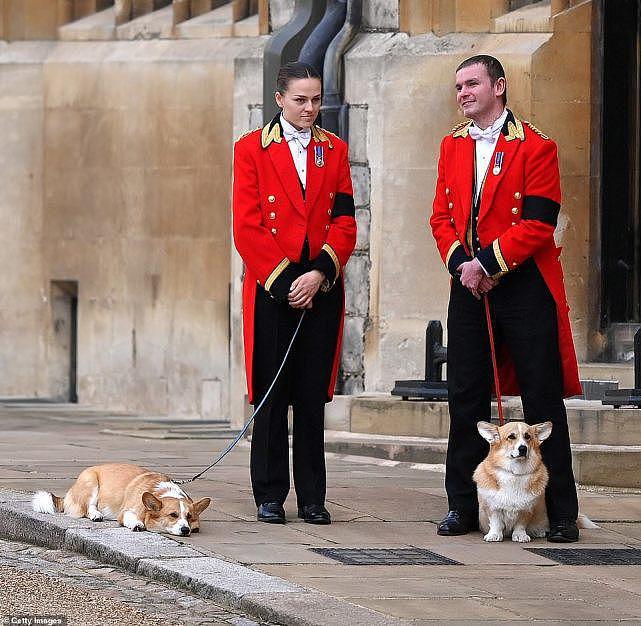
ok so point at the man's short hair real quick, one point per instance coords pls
(492, 65)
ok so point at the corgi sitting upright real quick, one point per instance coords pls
(511, 481)
(138, 498)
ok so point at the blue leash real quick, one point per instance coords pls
(258, 408)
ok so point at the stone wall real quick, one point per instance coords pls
(407, 84)
(118, 178)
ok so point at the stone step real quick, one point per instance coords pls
(599, 465)
(381, 414)
(99, 26)
(532, 18)
(155, 25)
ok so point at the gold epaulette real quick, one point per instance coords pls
(461, 129)
(320, 134)
(248, 132)
(536, 130)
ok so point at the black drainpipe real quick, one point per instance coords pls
(313, 51)
(334, 111)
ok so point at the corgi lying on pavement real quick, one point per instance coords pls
(511, 482)
(138, 498)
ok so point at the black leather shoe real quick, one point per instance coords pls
(314, 514)
(271, 512)
(563, 531)
(457, 523)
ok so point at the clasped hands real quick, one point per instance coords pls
(304, 288)
(475, 279)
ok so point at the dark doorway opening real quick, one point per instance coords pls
(63, 353)
(618, 54)
(621, 157)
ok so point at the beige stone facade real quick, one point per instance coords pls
(116, 163)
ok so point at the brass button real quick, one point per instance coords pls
(451, 205)
(517, 195)
(274, 231)
(515, 210)
(271, 198)
(329, 211)
(513, 264)
(272, 216)
(513, 223)
(447, 190)
(326, 226)
(331, 194)
(452, 220)
(477, 218)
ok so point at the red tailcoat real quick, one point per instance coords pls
(272, 218)
(516, 220)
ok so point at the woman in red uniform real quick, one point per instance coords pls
(294, 227)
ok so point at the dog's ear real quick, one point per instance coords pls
(488, 431)
(543, 430)
(151, 502)
(201, 505)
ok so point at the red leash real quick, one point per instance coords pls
(497, 385)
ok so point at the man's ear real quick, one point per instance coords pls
(543, 430)
(151, 502)
(488, 431)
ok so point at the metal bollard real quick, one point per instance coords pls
(628, 397)
(433, 387)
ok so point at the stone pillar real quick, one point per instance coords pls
(381, 15)
(357, 281)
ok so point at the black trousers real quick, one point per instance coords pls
(524, 319)
(303, 383)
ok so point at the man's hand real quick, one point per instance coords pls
(474, 278)
(304, 288)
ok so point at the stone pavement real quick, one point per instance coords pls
(270, 571)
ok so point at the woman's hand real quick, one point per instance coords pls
(304, 288)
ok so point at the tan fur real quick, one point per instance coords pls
(511, 488)
(136, 497)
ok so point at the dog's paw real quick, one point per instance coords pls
(537, 533)
(95, 516)
(139, 527)
(520, 536)
(493, 536)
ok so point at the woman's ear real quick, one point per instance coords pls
(279, 98)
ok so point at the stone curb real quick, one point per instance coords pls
(162, 559)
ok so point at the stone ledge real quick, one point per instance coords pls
(599, 465)
(163, 559)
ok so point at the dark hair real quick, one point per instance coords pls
(294, 71)
(492, 65)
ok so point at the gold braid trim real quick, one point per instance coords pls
(326, 286)
(267, 136)
(320, 134)
(453, 247)
(461, 130)
(278, 270)
(496, 248)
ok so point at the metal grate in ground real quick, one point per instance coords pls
(384, 556)
(590, 556)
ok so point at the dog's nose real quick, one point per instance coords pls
(522, 450)
(184, 530)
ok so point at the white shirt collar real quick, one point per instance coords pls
(490, 133)
(291, 132)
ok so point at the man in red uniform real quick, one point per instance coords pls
(294, 227)
(495, 210)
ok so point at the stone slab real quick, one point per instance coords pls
(214, 578)
(314, 609)
(123, 547)
(18, 522)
